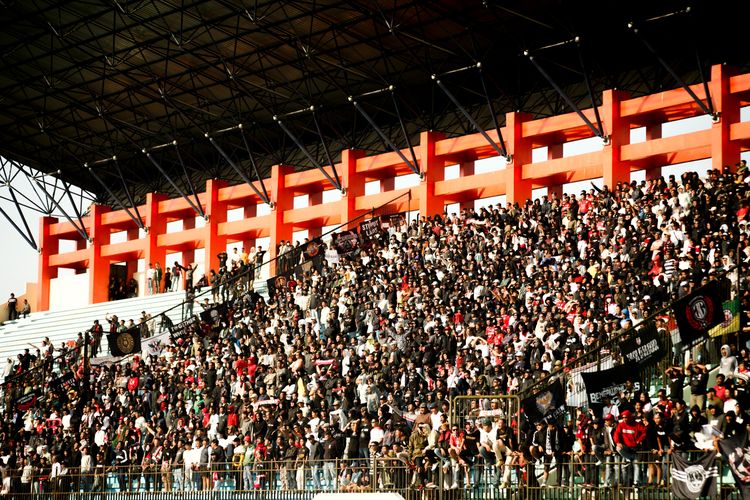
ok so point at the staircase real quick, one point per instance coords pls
(61, 326)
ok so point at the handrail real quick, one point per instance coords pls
(234, 279)
(609, 344)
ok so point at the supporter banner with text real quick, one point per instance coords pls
(370, 229)
(695, 479)
(576, 388)
(610, 382)
(698, 312)
(547, 405)
(644, 347)
(64, 383)
(181, 328)
(27, 401)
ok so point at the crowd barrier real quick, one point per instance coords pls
(424, 478)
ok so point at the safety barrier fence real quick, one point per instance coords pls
(430, 475)
(609, 351)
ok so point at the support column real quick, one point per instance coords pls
(98, 265)
(156, 225)
(48, 245)
(724, 153)
(353, 182)
(613, 169)
(433, 170)
(315, 198)
(216, 211)
(131, 266)
(517, 189)
(283, 199)
(466, 169)
(249, 212)
(188, 254)
(653, 131)
(81, 244)
(387, 184)
(555, 151)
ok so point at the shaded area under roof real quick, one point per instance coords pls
(83, 82)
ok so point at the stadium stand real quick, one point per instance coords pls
(344, 377)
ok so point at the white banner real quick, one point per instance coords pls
(576, 393)
(153, 346)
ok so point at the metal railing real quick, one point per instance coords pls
(611, 347)
(429, 474)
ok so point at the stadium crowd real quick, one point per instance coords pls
(360, 357)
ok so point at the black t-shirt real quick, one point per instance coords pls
(698, 383)
(676, 384)
(471, 441)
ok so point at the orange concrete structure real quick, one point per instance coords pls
(723, 142)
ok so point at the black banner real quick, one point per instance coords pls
(370, 229)
(644, 347)
(214, 315)
(736, 452)
(180, 328)
(64, 383)
(126, 342)
(27, 401)
(698, 312)
(346, 242)
(547, 405)
(313, 252)
(610, 382)
(695, 479)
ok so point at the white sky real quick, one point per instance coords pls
(22, 261)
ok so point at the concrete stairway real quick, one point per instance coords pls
(61, 326)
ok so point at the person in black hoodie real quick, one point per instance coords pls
(680, 435)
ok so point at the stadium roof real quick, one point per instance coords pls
(85, 82)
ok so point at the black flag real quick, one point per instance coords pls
(736, 451)
(126, 342)
(547, 405)
(610, 382)
(643, 347)
(694, 479)
(698, 312)
(27, 401)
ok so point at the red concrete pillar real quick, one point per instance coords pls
(353, 183)
(433, 170)
(98, 265)
(517, 189)
(156, 225)
(249, 212)
(188, 254)
(216, 211)
(724, 152)
(614, 170)
(283, 199)
(653, 131)
(131, 266)
(48, 245)
(555, 151)
(315, 198)
(466, 169)
(387, 184)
